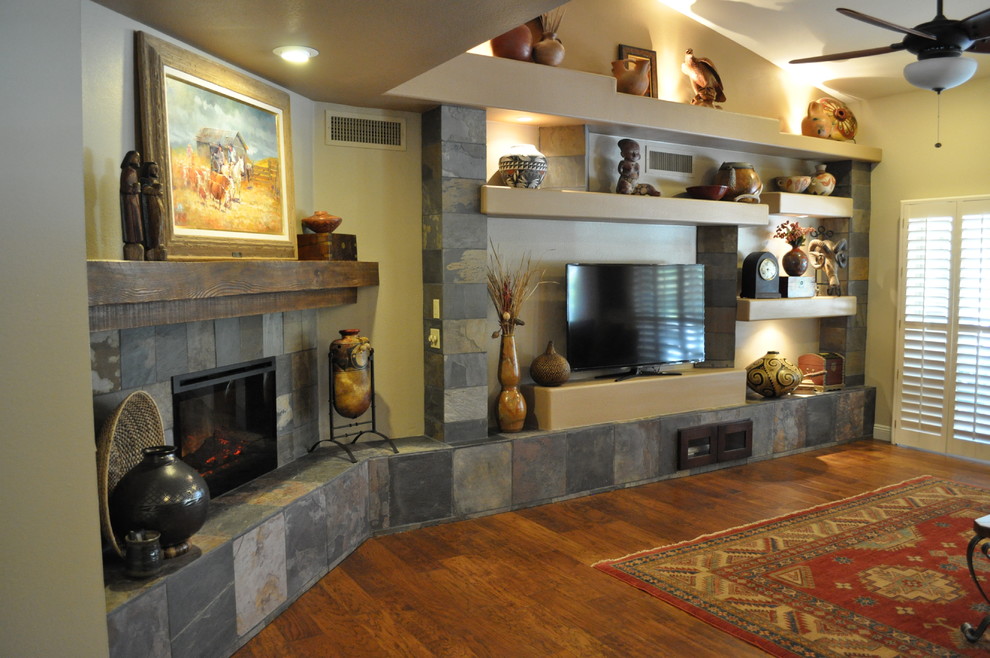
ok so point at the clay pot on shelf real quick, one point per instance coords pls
(773, 376)
(321, 222)
(517, 43)
(350, 359)
(550, 368)
(822, 183)
(632, 76)
(794, 262)
(793, 184)
(742, 180)
(523, 166)
(549, 50)
(816, 123)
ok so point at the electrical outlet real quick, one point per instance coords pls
(434, 339)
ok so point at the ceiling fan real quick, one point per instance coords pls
(938, 44)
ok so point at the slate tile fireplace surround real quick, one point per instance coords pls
(268, 541)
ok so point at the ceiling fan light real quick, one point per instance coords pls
(939, 73)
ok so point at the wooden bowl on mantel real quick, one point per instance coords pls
(321, 222)
(710, 192)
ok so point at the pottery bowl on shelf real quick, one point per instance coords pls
(712, 192)
(321, 222)
(793, 184)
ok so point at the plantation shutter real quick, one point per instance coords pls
(972, 413)
(942, 392)
(925, 332)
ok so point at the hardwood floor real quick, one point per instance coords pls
(520, 583)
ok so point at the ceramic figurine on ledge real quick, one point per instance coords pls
(705, 81)
(629, 171)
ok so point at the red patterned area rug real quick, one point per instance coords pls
(880, 574)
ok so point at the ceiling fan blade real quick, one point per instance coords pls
(980, 46)
(849, 55)
(852, 13)
(977, 26)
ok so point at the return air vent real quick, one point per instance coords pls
(678, 166)
(366, 131)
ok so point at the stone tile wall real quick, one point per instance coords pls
(127, 360)
(455, 251)
(269, 541)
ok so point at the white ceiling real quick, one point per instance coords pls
(370, 46)
(782, 30)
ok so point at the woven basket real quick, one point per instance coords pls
(133, 426)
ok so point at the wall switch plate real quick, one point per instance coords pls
(436, 309)
(434, 339)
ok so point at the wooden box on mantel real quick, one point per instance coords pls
(327, 246)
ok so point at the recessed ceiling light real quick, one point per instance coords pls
(296, 54)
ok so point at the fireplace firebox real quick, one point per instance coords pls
(224, 422)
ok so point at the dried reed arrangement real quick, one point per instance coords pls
(550, 21)
(509, 285)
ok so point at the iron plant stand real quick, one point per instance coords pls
(356, 433)
(981, 528)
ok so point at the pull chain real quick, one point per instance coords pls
(938, 118)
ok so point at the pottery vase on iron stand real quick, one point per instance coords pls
(350, 359)
(511, 406)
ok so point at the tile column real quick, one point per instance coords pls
(455, 297)
(716, 250)
(847, 335)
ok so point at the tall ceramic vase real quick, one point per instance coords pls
(511, 407)
(350, 359)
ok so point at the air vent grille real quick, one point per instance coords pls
(676, 163)
(366, 132)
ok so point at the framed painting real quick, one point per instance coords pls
(222, 143)
(630, 52)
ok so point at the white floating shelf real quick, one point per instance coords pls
(749, 310)
(574, 205)
(497, 83)
(807, 205)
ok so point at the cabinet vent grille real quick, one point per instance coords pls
(366, 132)
(670, 163)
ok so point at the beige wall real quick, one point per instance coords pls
(912, 168)
(51, 569)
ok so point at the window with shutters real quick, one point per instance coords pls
(942, 396)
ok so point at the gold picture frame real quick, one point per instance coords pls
(222, 141)
(631, 52)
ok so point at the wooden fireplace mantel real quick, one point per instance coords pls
(128, 294)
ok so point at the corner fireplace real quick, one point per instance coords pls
(224, 422)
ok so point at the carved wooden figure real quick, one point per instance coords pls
(152, 212)
(705, 81)
(130, 207)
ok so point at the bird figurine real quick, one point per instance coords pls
(704, 79)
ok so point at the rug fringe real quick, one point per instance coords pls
(609, 561)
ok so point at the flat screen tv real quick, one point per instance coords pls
(635, 316)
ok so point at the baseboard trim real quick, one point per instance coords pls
(881, 432)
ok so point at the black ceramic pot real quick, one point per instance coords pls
(161, 493)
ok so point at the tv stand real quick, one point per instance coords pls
(641, 371)
(581, 403)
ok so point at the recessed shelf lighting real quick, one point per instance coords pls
(296, 54)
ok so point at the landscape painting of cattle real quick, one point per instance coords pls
(225, 161)
(222, 140)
